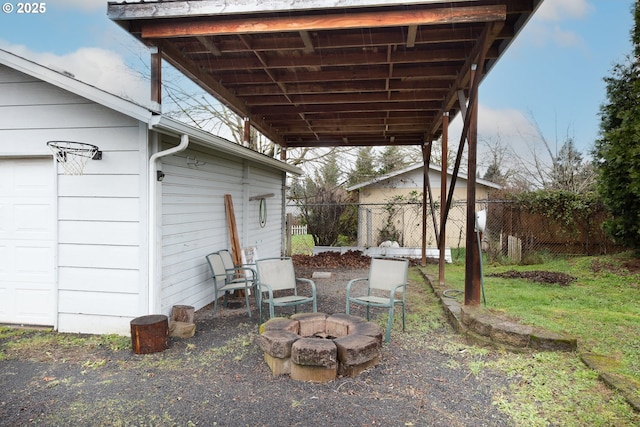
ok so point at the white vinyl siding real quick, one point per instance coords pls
(101, 262)
(268, 240)
(96, 266)
(194, 221)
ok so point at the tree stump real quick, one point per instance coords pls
(182, 313)
(150, 334)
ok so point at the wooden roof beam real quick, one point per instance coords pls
(376, 37)
(408, 73)
(308, 43)
(268, 72)
(479, 50)
(344, 59)
(344, 98)
(245, 90)
(209, 45)
(346, 108)
(285, 23)
(212, 86)
(373, 141)
(411, 35)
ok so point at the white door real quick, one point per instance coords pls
(27, 221)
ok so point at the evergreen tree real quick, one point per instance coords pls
(322, 201)
(391, 159)
(493, 174)
(568, 172)
(329, 173)
(617, 151)
(364, 168)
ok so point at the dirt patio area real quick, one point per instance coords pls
(219, 377)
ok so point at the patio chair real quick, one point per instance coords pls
(223, 283)
(386, 286)
(276, 279)
(236, 272)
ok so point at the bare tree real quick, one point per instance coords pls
(498, 163)
(544, 166)
(569, 172)
(322, 200)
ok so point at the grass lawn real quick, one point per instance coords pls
(601, 308)
(302, 244)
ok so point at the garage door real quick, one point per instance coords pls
(26, 241)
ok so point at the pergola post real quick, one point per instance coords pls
(442, 240)
(426, 158)
(472, 261)
(425, 179)
(427, 192)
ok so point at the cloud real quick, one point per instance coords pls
(102, 68)
(542, 35)
(510, 128)
(548, 25)
(559, 10)
(498, 123)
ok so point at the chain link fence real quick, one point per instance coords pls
(510, 232)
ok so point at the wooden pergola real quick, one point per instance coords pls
(327, 73)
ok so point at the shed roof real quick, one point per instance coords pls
(413, 168)
(124, 106)
(332, 72)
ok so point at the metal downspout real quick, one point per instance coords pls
(153, 241)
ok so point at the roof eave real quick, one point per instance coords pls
(170, 126)
(77, 87)
(119, 11)
(413, 167)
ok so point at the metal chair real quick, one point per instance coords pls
(277, 275)
(223, 283)
(386, 286)
(236, 272)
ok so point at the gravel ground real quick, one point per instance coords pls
(219, 378)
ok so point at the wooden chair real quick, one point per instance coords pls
(276, 279)
(223, 283)
(385, 288)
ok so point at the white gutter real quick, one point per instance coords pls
(153, 212)
(198, 136)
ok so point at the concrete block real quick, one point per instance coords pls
(316, 374)
(357, 349)
(314, 352)
(310, 323)
(278, 365)
(277, 343)
(280, 324)
(338, 325)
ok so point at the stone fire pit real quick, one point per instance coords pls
(318, 347)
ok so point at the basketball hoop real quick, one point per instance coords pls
(74, 155)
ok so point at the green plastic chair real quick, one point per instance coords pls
(222, 282)
(385, 288)
(276, 279)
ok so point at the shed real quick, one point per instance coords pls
(89, 253)
(403, 188)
